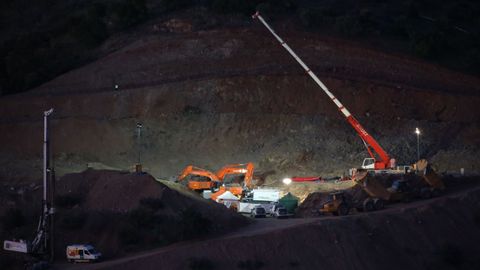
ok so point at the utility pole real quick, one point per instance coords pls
(138, 166)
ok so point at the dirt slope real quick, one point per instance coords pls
(233, 95)
(440, 233)
(102, 207)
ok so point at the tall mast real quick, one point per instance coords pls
(368, 140)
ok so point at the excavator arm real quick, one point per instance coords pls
(245, 169)
(383, 160)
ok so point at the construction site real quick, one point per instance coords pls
(199, 140)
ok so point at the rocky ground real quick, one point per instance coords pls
(440, 233)
(223, 96)
(233, 95)
(117, 212)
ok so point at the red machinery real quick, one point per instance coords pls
(306, 179)
(383, 161)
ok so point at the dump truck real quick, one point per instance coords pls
(421, 183)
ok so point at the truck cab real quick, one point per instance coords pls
(82, 253)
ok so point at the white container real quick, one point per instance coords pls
(266, 195)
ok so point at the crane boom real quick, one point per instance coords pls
(368, 140)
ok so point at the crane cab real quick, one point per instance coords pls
(368, 164)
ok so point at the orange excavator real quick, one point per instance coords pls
(200, 179)
(235, 188)
(243, 169)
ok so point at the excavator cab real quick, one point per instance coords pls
(198, 179)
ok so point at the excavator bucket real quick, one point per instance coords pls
(429, 175)
(371, 185)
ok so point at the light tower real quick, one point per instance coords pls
(417, 131)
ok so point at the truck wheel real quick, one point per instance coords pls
(368, 205)
(378, 204)
(343, 210)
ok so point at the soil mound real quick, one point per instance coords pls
(435, 234)
(107, 208)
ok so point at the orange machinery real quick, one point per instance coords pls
(242, 169)
(209, 181)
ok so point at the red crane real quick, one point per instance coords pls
(383, 161)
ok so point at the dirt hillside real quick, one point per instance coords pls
(222, 96)
(117, 212)
(440, 233)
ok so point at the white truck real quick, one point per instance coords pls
(82, 253)
(264, 197)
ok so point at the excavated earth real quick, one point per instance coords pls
(440, 233)
(105, 208)
(222, 96)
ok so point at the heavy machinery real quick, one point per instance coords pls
(403, 187)
(372, 193)
(379, 159)
(337, 204)
(42, 245)
(379, 162)
(200, 179)
(245, 171)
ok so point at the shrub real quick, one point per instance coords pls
(193, 224)
(451, 255)
(6, 262)
(68, 200)
(171, 5)
(234, 6)
(152, 203)
(251, 264)
(127, 13)
(129, 235)
(73, 220)
(476, 218)
(99, 222)
(142, 217)
(12, 219)
(188, 109)
(200, 264)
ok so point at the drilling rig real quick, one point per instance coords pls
(42, 245)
